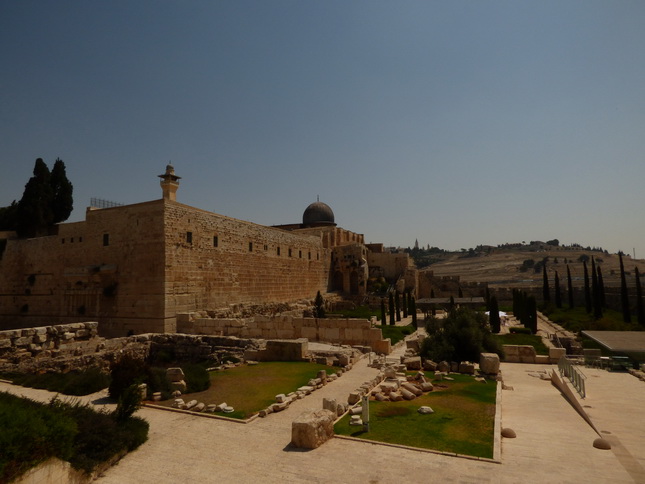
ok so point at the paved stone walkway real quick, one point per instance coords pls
(553, 443)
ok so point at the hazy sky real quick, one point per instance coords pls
(456, 123)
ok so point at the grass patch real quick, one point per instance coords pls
(32, 432)
(396, 333)
(463, 421)
(362, 312)
(578, 319)
(250, 388)
(75, 383)
(523, 339)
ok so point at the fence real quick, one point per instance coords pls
(574, 374)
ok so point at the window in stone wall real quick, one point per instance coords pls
(215, 241)
(189, 237)
(278, 250)
(266, 247)
(71, 240)
(62, 241)
(289, 252)
(317, 255)
(300, 254)
(80, 239)
(250, 246)
(309, 255)
(106, 240)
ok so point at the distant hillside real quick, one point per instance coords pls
(521, 264)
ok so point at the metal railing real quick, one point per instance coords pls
(574, 374)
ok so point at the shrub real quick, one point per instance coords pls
(196, 377)
(75, 383)
(125, 372)
(129, 402)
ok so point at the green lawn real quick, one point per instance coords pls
(463, 421)
(578, 319)
(523, 339)
(249, 389)
(395, 333)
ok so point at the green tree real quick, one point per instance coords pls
(413, 311)
(383, 318)
(595, 292)
(570, 288)
(601, 287)
(397, 304)
(391, 308)
(557, 295)
(640, 311)
(319, 306)
(546, 293)
(587, 290)
(62, 202)
(406, 304)
(34, 209)
(495, 322)
(462, 336)
(624, 296)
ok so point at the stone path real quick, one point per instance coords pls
(553, 443)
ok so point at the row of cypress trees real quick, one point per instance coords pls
(395, 306)
(594, 291)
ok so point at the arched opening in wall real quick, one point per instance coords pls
(337, 281)
(353, 283)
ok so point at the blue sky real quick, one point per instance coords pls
(456, 123)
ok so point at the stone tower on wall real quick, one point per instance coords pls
(169, 183)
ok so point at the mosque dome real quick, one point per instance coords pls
(318, 213)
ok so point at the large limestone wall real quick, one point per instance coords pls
(227, 261)
(108, 268)
(330, 330)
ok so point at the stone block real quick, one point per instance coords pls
(556, 353)
(542, 359)
(22, 341)
(526, 353)
(330, 404)
(413, 363)
(175, 374)
(443, 366)
(467, 368)
(412, 389)
(489, 363)
(178, 386)
(413, 344)
(312, 429)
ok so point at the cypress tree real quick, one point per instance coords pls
(601, 287)
(587, 290)
(383, 320)
(319, 306)
(595, 292)
(461, 293)
(391, 308)
(558, 296)
(434, 307)
(495, 322)
(531, 307)
(397, 304)
(62, 201)
(487, 298)
(624, 296)
(570, 288)
(546, 293)
(34, 209)
(405, 304)
(413, 311)
(640, 311)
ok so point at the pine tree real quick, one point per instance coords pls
(493, 318)
(570, 288)
(558, 296)
(546, 293)
(595, 291)
(640, 311)
(62, 202)
(587, 290)
(391, 308)
(624, 296)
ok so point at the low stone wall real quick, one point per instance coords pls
(342, 331)
(526, 354)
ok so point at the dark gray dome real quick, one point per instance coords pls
(318, 213)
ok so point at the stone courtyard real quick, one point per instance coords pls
(553, 444)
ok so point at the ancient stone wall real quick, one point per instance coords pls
(330, 330)
(108, 268)
(388, 265)
(213, 261)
